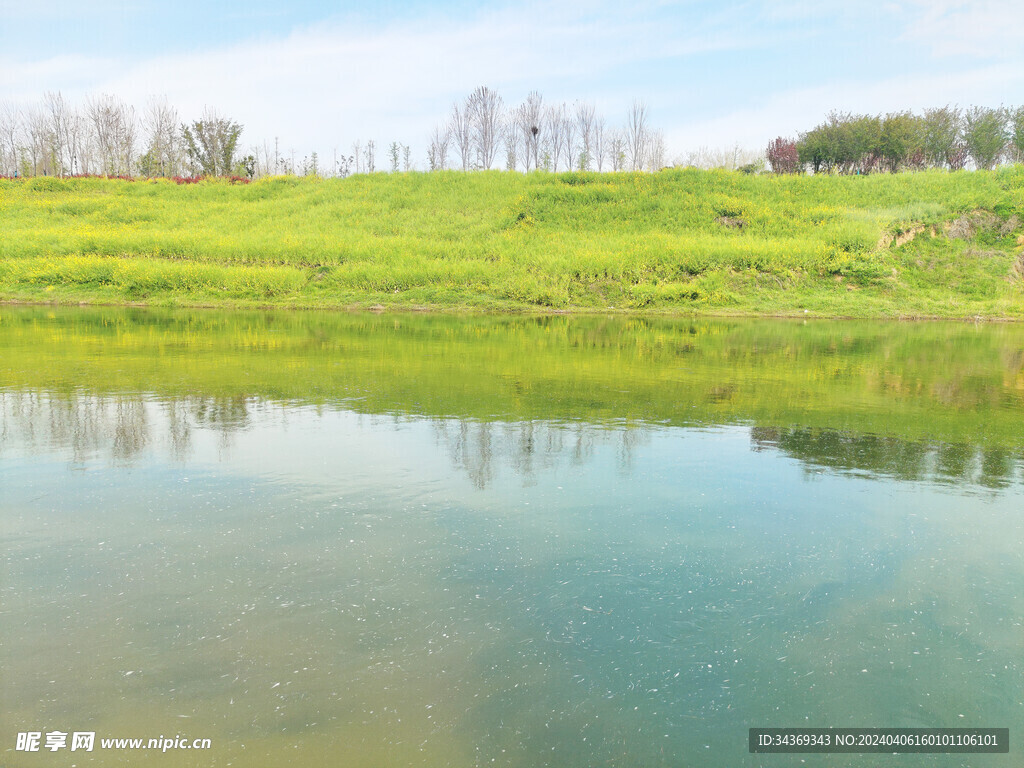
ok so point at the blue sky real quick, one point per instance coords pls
(321, 75)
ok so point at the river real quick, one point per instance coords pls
(422, 540)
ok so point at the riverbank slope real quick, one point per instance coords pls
(929, 244)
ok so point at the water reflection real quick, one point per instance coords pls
(122, 429)
(328, 540)
(959, 464)
(530, 448)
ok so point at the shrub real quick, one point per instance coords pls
(985, 135)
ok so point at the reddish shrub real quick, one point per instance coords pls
(783, 156)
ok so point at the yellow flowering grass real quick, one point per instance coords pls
(676, 241)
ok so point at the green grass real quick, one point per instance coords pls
(672, 242)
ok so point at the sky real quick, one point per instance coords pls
(321, 75)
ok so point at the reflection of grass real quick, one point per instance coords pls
(674, 241)
(955, 383)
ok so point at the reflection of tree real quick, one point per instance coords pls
(131, 428)
(997, 467)
(120, 427)
(86, 425)
(629, 439)
(473, 452)
(223, 413)
(179, 427)
(990, 467)
(582, 446)
(530, 447)
(527, 449)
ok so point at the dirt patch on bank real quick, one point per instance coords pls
(889, 240)
(977, 222)
(731, 222)
(1017, 270)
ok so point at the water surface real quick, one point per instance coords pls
(433, 541)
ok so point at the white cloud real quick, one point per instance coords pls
(988, 29)
(330, 83)
(327, 84)
(25, 82)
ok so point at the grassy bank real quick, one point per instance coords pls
(677, 241)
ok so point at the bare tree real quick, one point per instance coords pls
(100, 141)
(569, 138)
(459, 127)
(369, 156)
(357, 154)
(112, 123)
(437, 152)
(78, 141)
(163, 142)
(62, 124)
(484, 110)
(585, 121)
(637, 135)
(266, 161)
(528, 124)
(599, 143)
(41, 156)
(10, 133)
(511, 147)
(617, 150)
(553, 141)
(656, 151)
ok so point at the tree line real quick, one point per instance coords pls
(945, 137)
(481, 132)
(107, 137)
